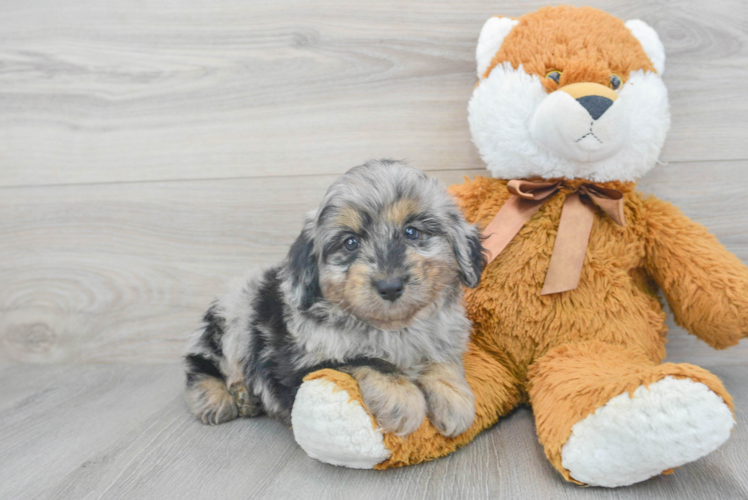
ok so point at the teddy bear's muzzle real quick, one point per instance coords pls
(584, 122)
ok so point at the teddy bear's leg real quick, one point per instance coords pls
(331, 423)
(608, 416)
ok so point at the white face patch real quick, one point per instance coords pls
(563, 126)
(521, 131)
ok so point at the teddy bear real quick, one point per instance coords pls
(568, 112)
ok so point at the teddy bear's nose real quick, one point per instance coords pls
(595, 105)
(593, 97)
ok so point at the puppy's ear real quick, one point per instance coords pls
(302, 270)
(468, 251)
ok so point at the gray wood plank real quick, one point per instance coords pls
(123, 272)
(102, 92)
(122, 432)
(66, 413)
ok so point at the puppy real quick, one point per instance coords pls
(371, 287)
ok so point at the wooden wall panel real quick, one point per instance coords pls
(133, 91)
(122, 272)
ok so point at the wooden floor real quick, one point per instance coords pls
(104, 431)
(150, 151)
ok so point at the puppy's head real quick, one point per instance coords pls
(386, 243)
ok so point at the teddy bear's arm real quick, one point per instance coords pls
(705, 285)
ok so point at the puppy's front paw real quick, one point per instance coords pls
(396, 402)
(399, 408)
(451, 412)
(451, 404)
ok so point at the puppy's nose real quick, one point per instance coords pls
(390, 289)
(595, 105)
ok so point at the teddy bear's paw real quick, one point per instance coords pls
(334, 428)
(629, 439)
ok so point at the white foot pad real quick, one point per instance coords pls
(333, 429)
(630, 439)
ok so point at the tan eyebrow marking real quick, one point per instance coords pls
(350, 218)
(399, 211)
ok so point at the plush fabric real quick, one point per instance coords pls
(568, 354)
(329, 409)
(589, 360)
(586, 43)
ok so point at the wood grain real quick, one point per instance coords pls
(122, 272)
(104, 92)
(123, 432)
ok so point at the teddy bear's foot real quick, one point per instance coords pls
(331, 424)
(629, 439)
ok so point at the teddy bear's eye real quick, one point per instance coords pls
(615, 82)
(554, 75)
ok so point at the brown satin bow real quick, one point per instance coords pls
(574, 228)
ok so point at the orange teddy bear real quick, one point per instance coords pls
(568, 112)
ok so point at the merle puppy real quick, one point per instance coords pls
(371, 287)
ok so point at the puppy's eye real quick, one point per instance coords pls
(554, 75)
(351, 244)
(615, 82)
(411, 233)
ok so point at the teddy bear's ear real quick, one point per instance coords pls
(650, 42)
(491, 36)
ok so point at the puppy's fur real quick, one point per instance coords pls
(330, 305)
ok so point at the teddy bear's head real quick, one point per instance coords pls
(568, 92)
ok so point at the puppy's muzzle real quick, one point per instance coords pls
(390, 289)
